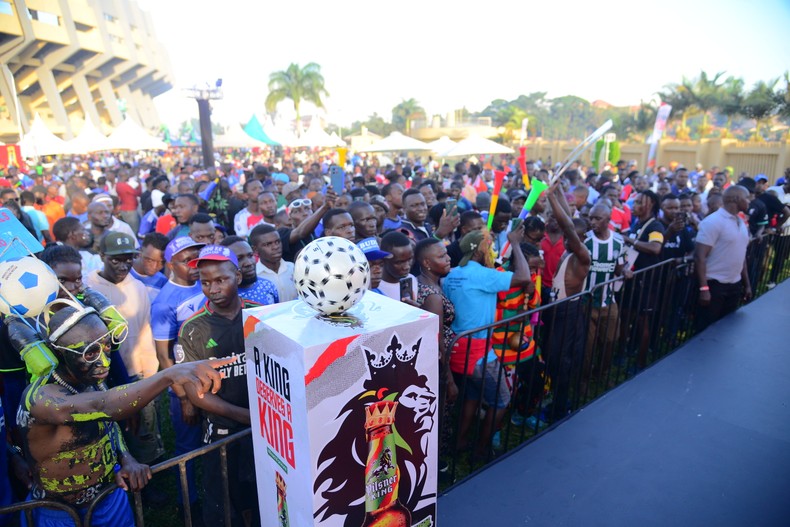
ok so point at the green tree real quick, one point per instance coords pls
(731, 101)
(404, 112)
(761, 104)
(705, 94)
(298, 84)
(682, 102)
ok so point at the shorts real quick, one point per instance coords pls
(113, 511)
(491, 381)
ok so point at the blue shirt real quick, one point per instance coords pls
(172, 307)
(82, 217)
(472, 289)
(153, 284)
(391, 224)
(148, 223)
(261, 292)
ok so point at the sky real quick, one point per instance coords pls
(448, 55)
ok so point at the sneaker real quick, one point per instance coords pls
(516, 419)
(496, 441)
(771, 285)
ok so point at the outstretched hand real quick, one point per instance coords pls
(203, 375)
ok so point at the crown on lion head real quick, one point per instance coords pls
(404, 354)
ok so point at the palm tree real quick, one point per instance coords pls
(705, 94)
(679, 97)
(297, 84)
(761, 104)
(404, 112)
(731, 101)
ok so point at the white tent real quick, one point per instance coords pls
(315, 136)
(236, 137)
(396, 142)
(39, 141)
(442, 144)
(90, 139)
(278, 133)
(131, 136)
(336, 138)
(475, 145)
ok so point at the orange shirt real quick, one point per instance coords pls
(52, 210)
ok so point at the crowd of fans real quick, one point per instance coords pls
(180, 251)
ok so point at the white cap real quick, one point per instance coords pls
(156, 198)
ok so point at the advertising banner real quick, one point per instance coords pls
(344, 413)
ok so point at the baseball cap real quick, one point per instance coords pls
(178, 245)
(279, 176)
(761, 177)
(381, 201)
(780, 181)
(370, 246)
(156, 198)
(290, 187)
(116, 243)
(469, 244)
(214, 253)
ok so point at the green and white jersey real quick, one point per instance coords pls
(606, 255)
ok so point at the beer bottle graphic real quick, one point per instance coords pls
(382, 475)
(282, 505)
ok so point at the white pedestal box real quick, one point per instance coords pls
(344, 413)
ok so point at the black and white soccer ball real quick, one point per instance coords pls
(331, 274)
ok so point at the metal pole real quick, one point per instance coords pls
(206, 139)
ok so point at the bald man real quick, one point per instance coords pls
(720, 258)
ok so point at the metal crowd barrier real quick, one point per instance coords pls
(581, 353)
(654, 314)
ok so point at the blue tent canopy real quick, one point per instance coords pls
(254, 129)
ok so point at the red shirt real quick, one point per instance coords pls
(552, 254)
(165, 223)
(127, 196)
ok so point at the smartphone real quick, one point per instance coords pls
(406, 288)
(451, 206)
(337, 179)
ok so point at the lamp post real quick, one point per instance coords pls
(203, 95)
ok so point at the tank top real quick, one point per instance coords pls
(558, 287)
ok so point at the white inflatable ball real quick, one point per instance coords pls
(27, 286)
(331, 274)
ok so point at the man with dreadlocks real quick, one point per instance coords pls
(69, 420)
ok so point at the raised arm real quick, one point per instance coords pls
(561, 213)
(304, 229)
(55, 404)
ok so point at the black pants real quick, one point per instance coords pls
(241, 484)
(724, 300)
(565, 352)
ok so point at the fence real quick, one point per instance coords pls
(582, 351)
(753, 158)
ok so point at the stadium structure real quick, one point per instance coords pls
(71, 60)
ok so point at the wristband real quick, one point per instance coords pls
(704, 288)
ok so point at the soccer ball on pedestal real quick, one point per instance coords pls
(331, 274)
(27, 286)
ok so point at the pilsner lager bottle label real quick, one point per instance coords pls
(382, 473)
(282, 505)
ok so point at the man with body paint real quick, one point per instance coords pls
(69, 421)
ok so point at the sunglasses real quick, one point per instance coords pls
(92, 351)
(299, 203)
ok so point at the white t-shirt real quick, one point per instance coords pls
(393, 290)
(130, 297)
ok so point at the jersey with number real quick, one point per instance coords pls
(606, 256)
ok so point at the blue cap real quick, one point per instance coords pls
(279, 176)
(178, 245)
(370, 246)
(761, 177)
(214, 253)
(780, 181)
